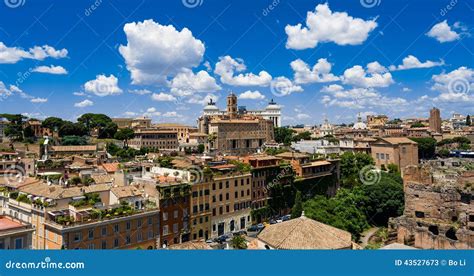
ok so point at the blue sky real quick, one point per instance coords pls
(164, 59)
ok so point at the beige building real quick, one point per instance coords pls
(230, 200)
(155, 138)
(400, 151)
(235, 132)
(376, 121)
(134, 123)
(183, 131)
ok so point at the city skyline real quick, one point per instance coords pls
(164, 61)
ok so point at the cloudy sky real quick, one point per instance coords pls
(166, 60)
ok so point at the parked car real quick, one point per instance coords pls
(222, 239)
(272, 221)
(253, 228)
(260, 226)
(239, 233)
(285, 218)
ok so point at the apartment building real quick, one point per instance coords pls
(231, 199)
(15, 234)
(154, 138)
(201, 208)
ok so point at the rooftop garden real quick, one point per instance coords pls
(89, 200)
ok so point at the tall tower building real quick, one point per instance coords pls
(232, 105)
(435, 120)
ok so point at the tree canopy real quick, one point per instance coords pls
(426, 147)
(351, 165)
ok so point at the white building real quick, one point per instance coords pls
(272, 112)
(321, 146)
(3, 125)
(326, 129)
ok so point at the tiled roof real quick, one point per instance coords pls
(305, 233)
(59, 192)
(292, 155)
(398, 140)
(199, 245)
(126, 191)
(111, 167)
(74, 148)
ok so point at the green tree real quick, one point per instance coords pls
(426, 147)
(417, 124)
(238, 242)
(124, 134)
(306, 135)
(53, 123)
(298, 207)
(351, 165)
(200, 148)
(73, 141)
(443, 152)
(284, 135)
(106, 128)
(14, 129)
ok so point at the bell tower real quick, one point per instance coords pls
(232, 105)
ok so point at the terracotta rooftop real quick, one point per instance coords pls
(74, 148)
(8, 224)
(111, 167)
(398, 140)
(305, 233)
(126, 191)
(59, 192)
(295, 155)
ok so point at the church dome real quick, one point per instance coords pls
(273, 105)
(359, 125)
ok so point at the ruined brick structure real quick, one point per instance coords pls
(439, 206)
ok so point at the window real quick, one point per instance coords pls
(227, 184)
(127, 239)
(236, 183)
(18, 243)
(165, 216)
(77, 236)
(220, 197)
(377, 156)
(91, 234)
(387, 156)
(213, 186)
(213, 198)
(195, 209)
(165, 230)
(236, 194)
(129, 225)
(220, 185)
(150, 234)
(116, 242)
(175, 214)
(227, 196)
(104, 231)
(150, 221)
(139, 223)
(175, 228)
(116, 228)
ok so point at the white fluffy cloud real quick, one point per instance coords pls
(14, 54)
(203, 100)
(455, 86)
(155, 52)
(321, 71)
(323, 25)
(187, 83)
(103, 86)
(251, 95)
(38, 100)
(226, 67)
(412, 62)
(358, 98)
(302, 116)
(55, 70)
(84, 103)
(11, 90)
(443, 32)
(171, 114)
(152, 112)
(163, 97)
(376, 75)
(282, 86)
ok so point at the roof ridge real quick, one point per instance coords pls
(291, 231)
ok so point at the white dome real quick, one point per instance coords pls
(359, 125)
(273, 105)
(211, 108)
